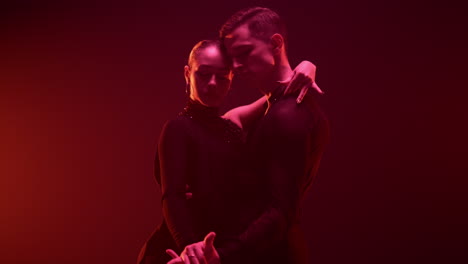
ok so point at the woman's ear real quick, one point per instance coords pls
(277, 42)
(187, 74)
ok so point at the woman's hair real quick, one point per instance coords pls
(202, 45)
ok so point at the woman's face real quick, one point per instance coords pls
(209, 77)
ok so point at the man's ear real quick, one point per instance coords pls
(277, 42)
(187, 74)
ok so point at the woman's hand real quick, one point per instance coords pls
(303, 78)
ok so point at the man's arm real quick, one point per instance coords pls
(285, 143)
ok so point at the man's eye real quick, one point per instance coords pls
(203, 74)
(243, 54)
(223, 76)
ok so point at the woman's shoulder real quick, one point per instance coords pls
(179, 124)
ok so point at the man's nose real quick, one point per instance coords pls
(212, 81)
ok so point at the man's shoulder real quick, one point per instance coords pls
(285, 117)
(283, 109)
(289, 119)
(286, 109)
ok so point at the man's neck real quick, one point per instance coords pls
(282, 73)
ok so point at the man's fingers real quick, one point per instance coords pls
(209, 240)
(175, 258)
(198, 252)
(190, 256)
(172, 253)
(176, 261)
(185, 259)
(210, 252)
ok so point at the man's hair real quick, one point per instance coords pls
(202, 45)
(262, 22)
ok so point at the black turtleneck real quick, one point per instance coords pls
(202, 150)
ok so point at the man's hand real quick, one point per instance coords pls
(175, 258)
(303, 78)
(202, 252)
(211, 254)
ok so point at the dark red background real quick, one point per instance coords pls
(85, 88)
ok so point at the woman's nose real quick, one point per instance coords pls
(237, 66)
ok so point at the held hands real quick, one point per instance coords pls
(202, 252)
(303, 78)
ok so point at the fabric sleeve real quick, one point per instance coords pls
(285, 141)
(173, 163)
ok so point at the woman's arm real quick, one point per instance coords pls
(173, 160)
(245, 115)
(303, 77)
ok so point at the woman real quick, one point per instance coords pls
(200, 155)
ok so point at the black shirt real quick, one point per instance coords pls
(255, 214)
(285, 149)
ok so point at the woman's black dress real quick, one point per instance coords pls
(203, 152)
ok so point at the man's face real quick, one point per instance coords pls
(252, 57)
(210, 77)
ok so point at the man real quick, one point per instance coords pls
(286, 145)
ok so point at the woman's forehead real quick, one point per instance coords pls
(211, 57)
(212, 67)
(211, 52)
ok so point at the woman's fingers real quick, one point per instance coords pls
(293, 83)
(301, 95)
(316, 88)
